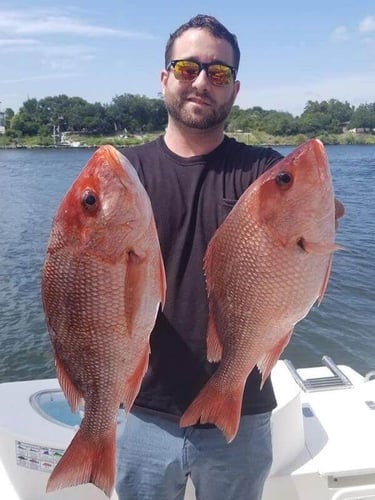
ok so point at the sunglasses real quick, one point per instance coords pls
(187, 71)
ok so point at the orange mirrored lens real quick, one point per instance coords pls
(186, 70)
(218, 74)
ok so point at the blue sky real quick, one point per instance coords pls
(291, 51)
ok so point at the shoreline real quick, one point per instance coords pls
(250, 138)
(95, 146)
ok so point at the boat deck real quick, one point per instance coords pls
(323, 441)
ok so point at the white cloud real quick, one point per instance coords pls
(46, 23)
(17, 42)
(49, 76)
(54, 55)
(340, 34)
(367, 25)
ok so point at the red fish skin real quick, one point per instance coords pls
(103, 282)
(265, 267)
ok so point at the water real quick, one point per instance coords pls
(33, 183)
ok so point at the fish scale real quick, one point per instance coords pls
(103, 282)
(265, 267)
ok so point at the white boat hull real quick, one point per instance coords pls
(323, 441)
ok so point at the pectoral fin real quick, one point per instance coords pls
(144, 292)
(318, 248)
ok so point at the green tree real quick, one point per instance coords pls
(136, 113)
(157, 115)
(325, 116)
(8, 116)
(238, 119)
(340, 111)
(279, 123)
(313, 123)
(20, 125)
(364, 117)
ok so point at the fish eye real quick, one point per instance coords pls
(284, 180)
(89, 201)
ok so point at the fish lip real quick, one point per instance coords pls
(319, 151)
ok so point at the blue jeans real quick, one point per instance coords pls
(155, 457)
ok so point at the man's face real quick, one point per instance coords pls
(199, 104)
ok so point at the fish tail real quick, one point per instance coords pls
(214, 406)
(87, 461)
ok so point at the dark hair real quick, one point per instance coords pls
(211, 24)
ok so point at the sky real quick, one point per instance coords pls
(291, 51)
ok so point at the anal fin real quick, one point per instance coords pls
(72, 394)
(268, 361)
(214, 346)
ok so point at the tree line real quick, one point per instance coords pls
(126, 113)
(135, 114)
(317, 118)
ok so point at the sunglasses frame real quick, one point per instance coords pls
(202, 66)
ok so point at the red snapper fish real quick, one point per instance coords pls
(102, 284)
(265, 267)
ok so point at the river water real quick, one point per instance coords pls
(33, 183)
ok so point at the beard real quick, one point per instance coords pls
(200, 118)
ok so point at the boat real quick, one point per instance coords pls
(323, 432)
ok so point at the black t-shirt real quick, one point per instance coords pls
(190, 198)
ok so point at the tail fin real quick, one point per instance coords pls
(87, 461)
(214, 406)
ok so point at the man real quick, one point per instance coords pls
(193, 174)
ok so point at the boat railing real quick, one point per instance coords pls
(338, 379)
